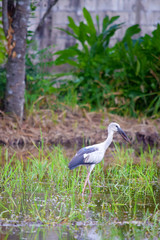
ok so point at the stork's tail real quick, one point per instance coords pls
(76, 161)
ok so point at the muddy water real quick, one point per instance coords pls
(86, 232)
(81, 230)
(95, 227)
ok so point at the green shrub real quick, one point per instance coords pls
(91, 58)
(39, 79)
(139, 72)
(3, 55)
(124, 78)
(2, 85)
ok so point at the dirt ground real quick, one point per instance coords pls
(76, 128)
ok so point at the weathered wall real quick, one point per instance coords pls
(144, 12)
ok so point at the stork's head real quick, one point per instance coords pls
(115, 127)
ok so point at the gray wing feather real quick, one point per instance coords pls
(86, 150)
(79, 158)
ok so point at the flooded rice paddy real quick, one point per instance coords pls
(41, 199)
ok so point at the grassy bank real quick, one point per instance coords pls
(44, 190)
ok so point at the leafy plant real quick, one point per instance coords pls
(39, 80)
(2, 42)
(2, 84)
(90, 57)
(124, 78)
(138, 74)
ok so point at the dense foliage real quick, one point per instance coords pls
(123, 78)
(39, 80)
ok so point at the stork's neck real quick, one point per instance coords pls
(108, 141)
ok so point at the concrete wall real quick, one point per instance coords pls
(144, 12)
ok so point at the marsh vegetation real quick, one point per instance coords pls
(41, 191)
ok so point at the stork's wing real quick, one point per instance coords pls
(80, 156)
(86, 150)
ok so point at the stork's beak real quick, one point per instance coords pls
(122, 133)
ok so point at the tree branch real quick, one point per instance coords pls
(52, 3)
(5, 16)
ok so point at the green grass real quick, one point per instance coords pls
(44, 189)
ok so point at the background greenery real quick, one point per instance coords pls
(124, 78)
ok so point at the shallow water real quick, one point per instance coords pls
(140, 220)
(81, 230)
(94, 226)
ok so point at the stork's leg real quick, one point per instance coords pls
(87, 179)
(89, 184)
(86, 182)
